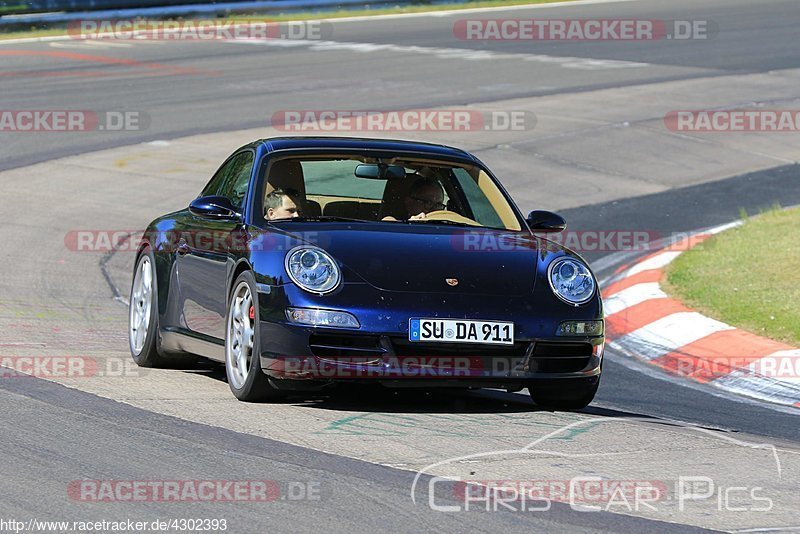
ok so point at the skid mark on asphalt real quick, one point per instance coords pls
(390, 424)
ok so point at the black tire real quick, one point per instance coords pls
(146, 354)
(254, 386)
(565, 395)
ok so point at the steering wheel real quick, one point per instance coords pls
(446, 215)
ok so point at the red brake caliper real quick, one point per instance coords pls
(252, 313)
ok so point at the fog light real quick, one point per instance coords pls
(580, 328)
(332, 318)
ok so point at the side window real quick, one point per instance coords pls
(232, 179)
(214, 184)
(481, 206)
(235, 187)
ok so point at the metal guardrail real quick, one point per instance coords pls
(45, 6)
(37, 12)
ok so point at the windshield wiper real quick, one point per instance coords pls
(318, 218)
(443, 221)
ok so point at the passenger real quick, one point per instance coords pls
(280, 204)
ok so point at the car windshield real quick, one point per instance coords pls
(402, 191)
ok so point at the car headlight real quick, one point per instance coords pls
(571, 281)
(314, 317)
(312, 269)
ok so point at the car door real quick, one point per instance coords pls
(205, 247)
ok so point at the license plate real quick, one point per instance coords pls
(461, 331)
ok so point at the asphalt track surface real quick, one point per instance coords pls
(55, 434)
(193, 87)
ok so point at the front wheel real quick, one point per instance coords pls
(242, 361)
(567, 394)
(142, 314)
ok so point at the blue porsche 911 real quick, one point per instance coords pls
(312, 261)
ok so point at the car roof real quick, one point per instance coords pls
(359, 143)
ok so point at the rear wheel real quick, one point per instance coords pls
(242, 362)
(142, 314)
(571, 394)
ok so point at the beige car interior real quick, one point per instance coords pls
(393, 202)
(287, 174)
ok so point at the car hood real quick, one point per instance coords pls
(430, 258)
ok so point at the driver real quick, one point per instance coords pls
(424, 196)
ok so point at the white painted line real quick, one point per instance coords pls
(631, 296)
(449, 12)
(102, 45)
(25, 40)
(658, 261)
(567, 62)
(107, 43)
(669, 334)
(723, 227)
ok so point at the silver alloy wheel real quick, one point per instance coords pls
(141, 301)
(239, 336)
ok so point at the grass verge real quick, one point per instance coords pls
(748, 277)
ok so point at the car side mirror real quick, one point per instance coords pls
(214, 207)
(546, 222)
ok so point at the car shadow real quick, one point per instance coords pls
(378, 399)
(375, 398)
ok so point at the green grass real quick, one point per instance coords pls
(60, 29)
(748, 277)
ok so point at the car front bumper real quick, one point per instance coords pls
(327, 355)
(380, 351)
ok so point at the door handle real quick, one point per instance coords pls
(183, 248)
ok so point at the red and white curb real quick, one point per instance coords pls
(644, 323)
